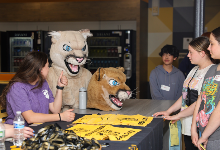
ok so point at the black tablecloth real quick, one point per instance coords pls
(150, 138)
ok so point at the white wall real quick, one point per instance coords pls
(55, 26)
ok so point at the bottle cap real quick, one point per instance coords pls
(82, 89)
(18, 112)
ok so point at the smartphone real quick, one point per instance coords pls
(202, 147)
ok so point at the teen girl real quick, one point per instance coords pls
(29, 92)
(207, 111)
(199, 55)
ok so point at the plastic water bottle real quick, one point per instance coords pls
(2, 135)
(18, 129)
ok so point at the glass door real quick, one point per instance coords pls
(19, 47)
(103, 52)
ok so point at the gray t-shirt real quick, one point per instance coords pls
(22, 98)
(210, 97)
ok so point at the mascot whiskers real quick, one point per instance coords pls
(107, 89)
(69, 52)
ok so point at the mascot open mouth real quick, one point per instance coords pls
(115, 101)
(74, 69)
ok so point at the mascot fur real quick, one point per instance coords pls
(107, 89)
(69, 51)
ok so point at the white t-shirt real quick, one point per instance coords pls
(196, 84)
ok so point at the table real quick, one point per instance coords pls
(150, 138)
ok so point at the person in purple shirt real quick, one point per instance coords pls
(29, 92)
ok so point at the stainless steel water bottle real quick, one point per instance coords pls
(82, 98)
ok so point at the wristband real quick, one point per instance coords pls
(60, 88)
(59, 116)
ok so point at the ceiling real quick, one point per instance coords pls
(29, 1)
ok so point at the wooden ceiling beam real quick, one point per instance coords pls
(30, 1)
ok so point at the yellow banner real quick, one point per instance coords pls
(112, 119)
(104, 132)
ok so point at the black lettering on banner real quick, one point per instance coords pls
(80, 130)
(143, 121)
(96, 130)
(125, 135)
(129, 119)
(109, 132)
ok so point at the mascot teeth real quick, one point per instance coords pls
(115, 101)
(74, 68)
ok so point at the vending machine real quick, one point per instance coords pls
(113, 48)
(2, 48)
(19, 43)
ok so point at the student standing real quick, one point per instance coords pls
(166, 81)
(199, 55)
(207, 111)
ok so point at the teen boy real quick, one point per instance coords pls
(166, 81)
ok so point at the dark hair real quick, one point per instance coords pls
(207, 34)
(28, 72)
(201, 44)
(216, 34)
(170, 49)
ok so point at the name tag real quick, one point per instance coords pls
(217, 78)
(165, 88)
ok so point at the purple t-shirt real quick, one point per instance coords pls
(22, 98)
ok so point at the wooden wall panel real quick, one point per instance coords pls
(69, 11)
(31, 1)
(86, 10)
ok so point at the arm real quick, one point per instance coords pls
(185, 113)
(176, 106)
(194, 134)
(212, 125)
(32, 117)
(9, 131)
(55, 106)
(154, 87)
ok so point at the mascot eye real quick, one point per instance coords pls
(113, 82)
(84, 48)
(67, 48)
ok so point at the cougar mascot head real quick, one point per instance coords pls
(107, 89)
(69, 51)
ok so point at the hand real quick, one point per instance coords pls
(194, 137)
(163, 113)
(62, 81)
(68, 115)
(28, 132)
(200, 141)
(174, 118)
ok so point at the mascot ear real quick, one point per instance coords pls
(85, 33)
(100, 73)
(121, 68)
(55, 36)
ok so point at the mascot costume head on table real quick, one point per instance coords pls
(107, 89)
(69, 51)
